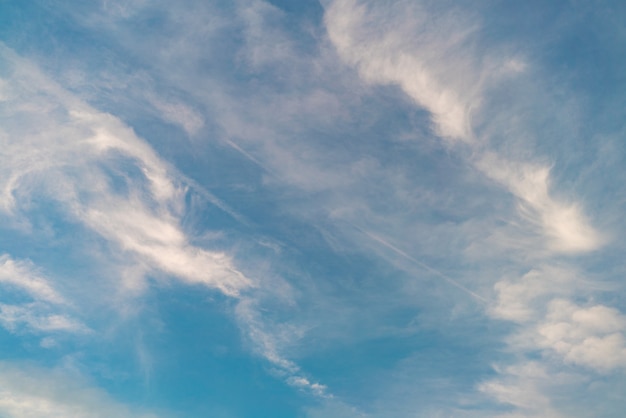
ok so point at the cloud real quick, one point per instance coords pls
(577, 343)
(33, 317)
(437, 55)
(520, 300)
(304, 383)
(431, 54)
(44, 311)
(269, 340)
(407, 51)
(587, 336)
(30, 392)
(523, 386)
(103, 176)
(325, 156)
(582, 341)
(114, 184)
(564, 224)
(23, 275)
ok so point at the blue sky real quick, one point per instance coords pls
(315, 209)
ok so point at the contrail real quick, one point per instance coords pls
(244, 152)
(216, 201)
(421, 264)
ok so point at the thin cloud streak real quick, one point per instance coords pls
(268, 343)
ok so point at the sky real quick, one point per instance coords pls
(312, 209)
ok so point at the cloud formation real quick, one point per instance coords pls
(434, 54)
(354, 209)
(103, 176)
(44, 310)
(29, 392)
(427, 51)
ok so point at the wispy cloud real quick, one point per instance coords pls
(415, 121)
(33, 317)
(564, 224)
(522, 388)
(23, 275)
(407, 50)
(433, 54)
(44, 310)
(436, 65)
(179, 113)
(270, 340)
(75, 155)
(30, 392)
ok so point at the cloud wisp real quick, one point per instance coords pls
(43, 311)
(433, 54)
(30, 392)
(430, 55)
(386, 197)
(113, 183)
(75, 156)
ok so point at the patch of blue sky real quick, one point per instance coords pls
(193, 361)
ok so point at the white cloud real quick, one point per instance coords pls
(23, 275)
(524, 387)
(540, 302)
(35, 317)
(564, 224)
(68, 154)
(159, 241)
(520, 300)
(428, 53)
(570, 337)
(434, 54)
(46, 311)
(592, 337)
(80, 156)
(428, 56)
(408, 51)
(31, 392)
(304, 383)
(270, 340)
(523, 393)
